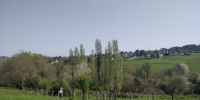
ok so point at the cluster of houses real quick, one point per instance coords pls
(171, 52)
(147, 54)
(158, 55)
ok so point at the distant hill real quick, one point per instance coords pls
(193, 61)
(4, 58)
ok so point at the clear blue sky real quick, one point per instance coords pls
(52, 27)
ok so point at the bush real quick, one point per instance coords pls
(44, 83)
(182, 97)
(104, 87)
(136, 96)
(83, 83)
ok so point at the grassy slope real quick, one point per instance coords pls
(193, 61)
(7, 93)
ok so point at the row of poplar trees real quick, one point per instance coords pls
(106, 69)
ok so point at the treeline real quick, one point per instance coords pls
(192, 48)
(102, 72)
(147, 80)
(186, 48)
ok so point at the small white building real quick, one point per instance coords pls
(55, 61)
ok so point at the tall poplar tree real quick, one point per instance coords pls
(71, 60)
(82, 53)
(106, 67)
(117, 66)
(98, 50)
(77, 56)
(110, 67)
(92, 64)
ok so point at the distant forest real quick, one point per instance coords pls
(186, 48)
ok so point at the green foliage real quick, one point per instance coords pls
(82, 53)
(193, 87)
(148, 68)
(65, 61)
(104, 87)
(83, 83)
(193, 78)
(92, 65)
(117, 62)
(94, 85)
(128, 69)
(137, 52)
(36, 57)
(178, 84)
(77, 56)
(59, 67)
(98, 54)
(20, 68)
(153, 55)
(137, 82)
(44, 83)
(163, 85)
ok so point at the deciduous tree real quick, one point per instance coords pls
(148, 68)
(177, 84)
(77, 56)
(82, 53)
(98, 50)
(20, 67)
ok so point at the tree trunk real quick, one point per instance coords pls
(74, 93)
(110, 95)
(104, 96)
(172, 96)
(97, 94)
(87, 94)
(66, 95)
(130, 94)
(115, 96)
(152, 96)
(81, 95)
(148, 94)
(122, 95)
(22, 86)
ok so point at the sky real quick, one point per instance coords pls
(52, 27)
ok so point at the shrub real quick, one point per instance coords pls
(44, 83)
(136, 96)
(83, 83)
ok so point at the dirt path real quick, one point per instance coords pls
(132, 58)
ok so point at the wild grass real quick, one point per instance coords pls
(7, 93)
(193, 61)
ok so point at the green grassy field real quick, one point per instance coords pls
(7, 93)
(193, 61)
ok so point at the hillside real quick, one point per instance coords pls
(193, 61)
(4, 58)
(7, 93)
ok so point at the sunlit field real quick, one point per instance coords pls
(193, 61)
(7, 93)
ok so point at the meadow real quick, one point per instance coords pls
(8, 93)
(193, 61)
